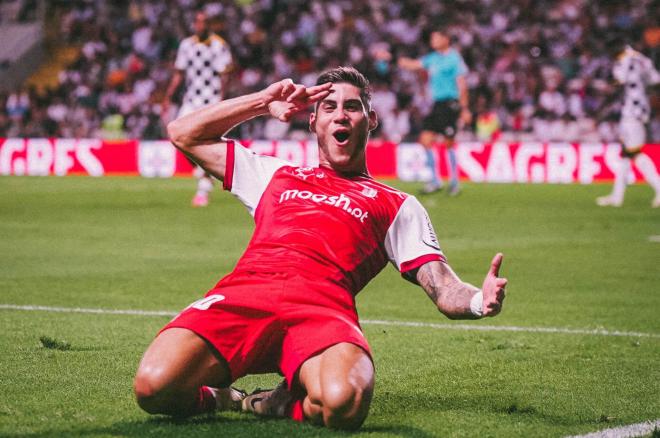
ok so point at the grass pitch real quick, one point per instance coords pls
(131, 243)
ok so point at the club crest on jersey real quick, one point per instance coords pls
(369, 192)
(306, 172)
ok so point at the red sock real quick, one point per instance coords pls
(205, 400)
(297, 413)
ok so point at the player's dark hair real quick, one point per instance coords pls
(615, 43)
(348, 75)
(442, 30)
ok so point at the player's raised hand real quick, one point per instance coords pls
(285, 98)
(493, 288)
(165, 109)
(465, 117)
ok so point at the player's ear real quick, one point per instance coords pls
(312, 122)
(373, 120)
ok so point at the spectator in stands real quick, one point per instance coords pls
(487, 124)
(396, 124)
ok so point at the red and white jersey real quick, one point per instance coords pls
(332, 228)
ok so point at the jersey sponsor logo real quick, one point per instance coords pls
(342, 201)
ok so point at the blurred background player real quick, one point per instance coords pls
(205, 60)
(635, 72)
(446, 80)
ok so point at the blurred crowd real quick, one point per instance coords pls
(537, 69)
(18, 11)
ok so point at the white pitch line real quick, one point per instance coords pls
(391, 323)
(505, 328)
(82, 310)
(632, 430)
(654, 239)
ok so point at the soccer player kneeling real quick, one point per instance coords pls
(321, 234)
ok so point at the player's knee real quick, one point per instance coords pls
(346, 405)
(151, 391)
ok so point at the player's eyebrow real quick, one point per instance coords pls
(347, 101)
(354, 101)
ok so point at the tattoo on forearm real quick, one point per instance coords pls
(457, 298)
(425, 277)
(446, 290)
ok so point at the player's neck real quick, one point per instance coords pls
(348, 171)
(202, 37)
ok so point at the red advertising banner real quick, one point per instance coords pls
(527, 162)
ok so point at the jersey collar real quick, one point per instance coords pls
(348, 175)
(206, 41)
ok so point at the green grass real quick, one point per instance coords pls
(130, 243)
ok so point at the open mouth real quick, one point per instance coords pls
(341, 136)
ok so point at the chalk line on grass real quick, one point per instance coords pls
(390, 323)
(505, 328)
(632, 430)
(83, 310)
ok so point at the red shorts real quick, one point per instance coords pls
(262, 322)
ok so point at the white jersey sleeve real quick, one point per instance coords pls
(411, 241)
(620, 68)
(247, 174)
(222, 59)
(181, 62)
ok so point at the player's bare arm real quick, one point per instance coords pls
(409, 64)
(463, 100)
(225, 80)
(200, 134)
(454, 298)
(177, 78)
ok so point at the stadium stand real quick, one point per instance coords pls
(21, 33)
(538, 69)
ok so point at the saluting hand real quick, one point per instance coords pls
(493, 288)
(285, 98)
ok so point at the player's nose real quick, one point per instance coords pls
(340, 115)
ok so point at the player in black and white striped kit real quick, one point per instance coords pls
(635, 72)
(204, 60)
